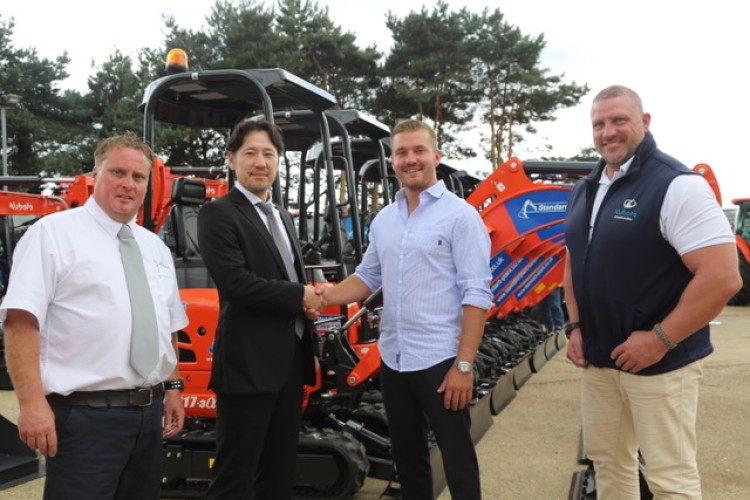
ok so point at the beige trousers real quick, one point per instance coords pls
(623, 413)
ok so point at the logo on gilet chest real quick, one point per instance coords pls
(627, 212)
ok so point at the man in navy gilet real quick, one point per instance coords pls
(651, 260)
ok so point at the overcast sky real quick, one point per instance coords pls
(686, 58)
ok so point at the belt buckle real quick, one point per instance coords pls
(150, 391)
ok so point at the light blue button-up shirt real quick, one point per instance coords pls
(430, 263)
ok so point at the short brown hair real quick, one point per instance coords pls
(618, 91)
(128, 140)
(412, 125)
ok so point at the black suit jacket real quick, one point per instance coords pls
(259, 303)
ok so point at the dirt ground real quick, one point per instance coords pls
(531, 449)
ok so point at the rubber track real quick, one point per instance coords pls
(351, 458)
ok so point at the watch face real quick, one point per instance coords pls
(463, 366)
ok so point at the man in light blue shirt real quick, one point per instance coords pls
(430, 252)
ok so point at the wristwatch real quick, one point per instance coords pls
(464, 366)
(570, 327)
(178, 384)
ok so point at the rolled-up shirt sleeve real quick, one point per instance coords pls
(472, 260)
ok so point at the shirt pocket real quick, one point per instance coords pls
(160, 278)
(432, 243)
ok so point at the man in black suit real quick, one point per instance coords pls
(263, 352)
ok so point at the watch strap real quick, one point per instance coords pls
(178, 384)
(663, 337)
(570, 327)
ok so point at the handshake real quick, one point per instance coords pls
(314, 301)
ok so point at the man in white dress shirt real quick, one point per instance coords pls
(67, 319)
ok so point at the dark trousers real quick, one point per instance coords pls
(106, 453)
(413, 407)
(256, 440)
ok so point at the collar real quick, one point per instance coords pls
(107, 223)
(435, 191)
(604, 180)
(251, 197)
(645, 150)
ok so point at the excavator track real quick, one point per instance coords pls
(330, 464)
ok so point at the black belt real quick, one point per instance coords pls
(140, 397)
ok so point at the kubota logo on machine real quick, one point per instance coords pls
(21, 207)
(530, 208)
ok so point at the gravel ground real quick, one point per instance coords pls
(531, 449)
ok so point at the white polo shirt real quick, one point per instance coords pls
(690, 217)
(67, 272)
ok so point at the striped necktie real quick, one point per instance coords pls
(278, 235)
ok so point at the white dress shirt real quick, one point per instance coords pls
(67, 272)
(252, 198)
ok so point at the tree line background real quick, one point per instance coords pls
(459, 70)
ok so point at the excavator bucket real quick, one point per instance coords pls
(525, 221)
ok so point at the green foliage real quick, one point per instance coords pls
(320, 52)
(516, 90)
(44, 131)
(115, 92)
(428, 72)
(239, 36)
(452, 68)
(586, 154)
